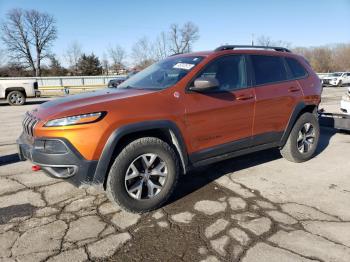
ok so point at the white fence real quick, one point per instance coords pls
(69, 81)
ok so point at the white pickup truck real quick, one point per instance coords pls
(337, 79)
(17, 91)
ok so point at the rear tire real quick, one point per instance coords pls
(16, 98)
(143, 175)
(303, 139)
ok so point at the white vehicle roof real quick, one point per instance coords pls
(14, 81)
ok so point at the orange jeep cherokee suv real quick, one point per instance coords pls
(185, 111)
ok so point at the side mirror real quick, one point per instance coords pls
(205, 83)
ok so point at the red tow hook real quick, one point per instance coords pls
(36, 168)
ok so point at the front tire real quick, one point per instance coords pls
(143, 175)
(340, 83)
(303, 139)
(16, 98)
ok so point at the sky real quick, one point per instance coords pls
(98, 24)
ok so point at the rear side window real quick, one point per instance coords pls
(296, 68)
(268, 69)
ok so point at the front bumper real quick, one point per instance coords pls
(333, 83)
(64, 161)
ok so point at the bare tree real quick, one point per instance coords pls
(16, 37)
(341, 57)
(72, 55)
(322, 59)
(327, 58)
(3, 58)
(182, 38)
(177, 40)
(264, 40)
(162, 48)
(28, 32)
(143, 53)
(117, 54)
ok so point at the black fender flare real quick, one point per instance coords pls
(119, 133)
(293, 118)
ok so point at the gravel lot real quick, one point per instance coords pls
(259, 207)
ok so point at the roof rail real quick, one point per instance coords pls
(231, 47)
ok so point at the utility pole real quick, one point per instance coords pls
(252, 39)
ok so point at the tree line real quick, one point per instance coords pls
(323, 59)
(28, 36)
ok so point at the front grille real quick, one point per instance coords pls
(326, 81)
(29, 123)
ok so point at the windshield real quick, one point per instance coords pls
(162, 74)
(336, 74)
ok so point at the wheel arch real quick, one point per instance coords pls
(163, 129)
(299, 109)
(10, 89)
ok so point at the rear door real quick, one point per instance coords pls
(276, 97)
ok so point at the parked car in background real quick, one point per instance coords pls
(345, 102)
(323, 75)
(17, 91)
(337, 79)
(113, 83)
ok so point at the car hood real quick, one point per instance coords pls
(85, 102)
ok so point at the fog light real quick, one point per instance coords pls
(54, 147)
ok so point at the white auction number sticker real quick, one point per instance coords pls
(184, 66)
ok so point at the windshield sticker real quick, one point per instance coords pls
(184, 66)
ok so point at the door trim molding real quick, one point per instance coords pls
(235, 148)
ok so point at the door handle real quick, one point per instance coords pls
(244, 97)
(293, 89)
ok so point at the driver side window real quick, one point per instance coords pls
(230, 71)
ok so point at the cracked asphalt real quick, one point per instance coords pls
(258, 207)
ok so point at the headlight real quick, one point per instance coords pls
(76, 120)
(334, 79)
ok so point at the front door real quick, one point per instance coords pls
(221, 119)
